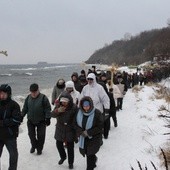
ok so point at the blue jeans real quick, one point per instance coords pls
(11, 145)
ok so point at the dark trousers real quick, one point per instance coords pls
(119, 103)
(91, 162)
(106, 128)
(113, 116)
(36, 134)
(70, 151)
(11, 145)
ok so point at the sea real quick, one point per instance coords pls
(20, 77)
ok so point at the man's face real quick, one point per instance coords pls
(103, 78)
(34, 94)
(3, 95)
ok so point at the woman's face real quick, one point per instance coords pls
(65, 104)
(86, 108)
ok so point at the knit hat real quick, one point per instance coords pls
(86, 103)
(6, 88)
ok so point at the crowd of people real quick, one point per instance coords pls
(82, 106)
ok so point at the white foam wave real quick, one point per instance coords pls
(53, 67)
(23, 69)
(29, 74)
(6, 75)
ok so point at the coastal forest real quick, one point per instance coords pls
(134, 50)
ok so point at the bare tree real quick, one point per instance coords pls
(168, 22)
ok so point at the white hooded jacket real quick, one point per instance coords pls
(97, 93)
(74, 94)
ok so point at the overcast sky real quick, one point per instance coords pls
(68, 31)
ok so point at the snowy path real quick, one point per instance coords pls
(138, 136)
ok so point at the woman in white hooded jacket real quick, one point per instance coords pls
(97, 93)
(69, 86)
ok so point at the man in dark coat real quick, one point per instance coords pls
(65, 113)
(75, 79)
(89, 122)
(38, 110)
(10, 119)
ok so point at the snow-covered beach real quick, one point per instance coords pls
(139, 136)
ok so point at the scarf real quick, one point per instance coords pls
(89, 124)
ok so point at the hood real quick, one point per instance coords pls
(67, 95)
(6, 88)
(93, 76)
(75, 74)
(60, 83)
(86, 98)
(69, 84)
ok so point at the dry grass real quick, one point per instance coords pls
(136, 89)
(165, 158)
(162, 93)
(162, 108)
(167, 98)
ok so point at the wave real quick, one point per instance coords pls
(16, 74)
(40, 68)
(23, 69)
(3, 75)
(53, 67)
(29, 74)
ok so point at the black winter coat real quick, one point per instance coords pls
(65, 126)
(92, 145)
(10, 117)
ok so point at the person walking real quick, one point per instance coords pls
(99, 96)
(57, 90)
(38, 110)
(10, 119)
(97, 93)
(89, 123)
(73, 92)
(65, 132)
(123, 89)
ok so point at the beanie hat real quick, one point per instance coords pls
(34, 87)
(86, 103)
(6, 88)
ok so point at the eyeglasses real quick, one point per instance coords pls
(90, 79)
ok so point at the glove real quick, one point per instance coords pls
(1, 123)
(61, 109)
(84, 133)
(47, 121)
(106, 114)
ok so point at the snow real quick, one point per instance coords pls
(139, 136)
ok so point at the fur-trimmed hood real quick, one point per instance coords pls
(86, 98)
